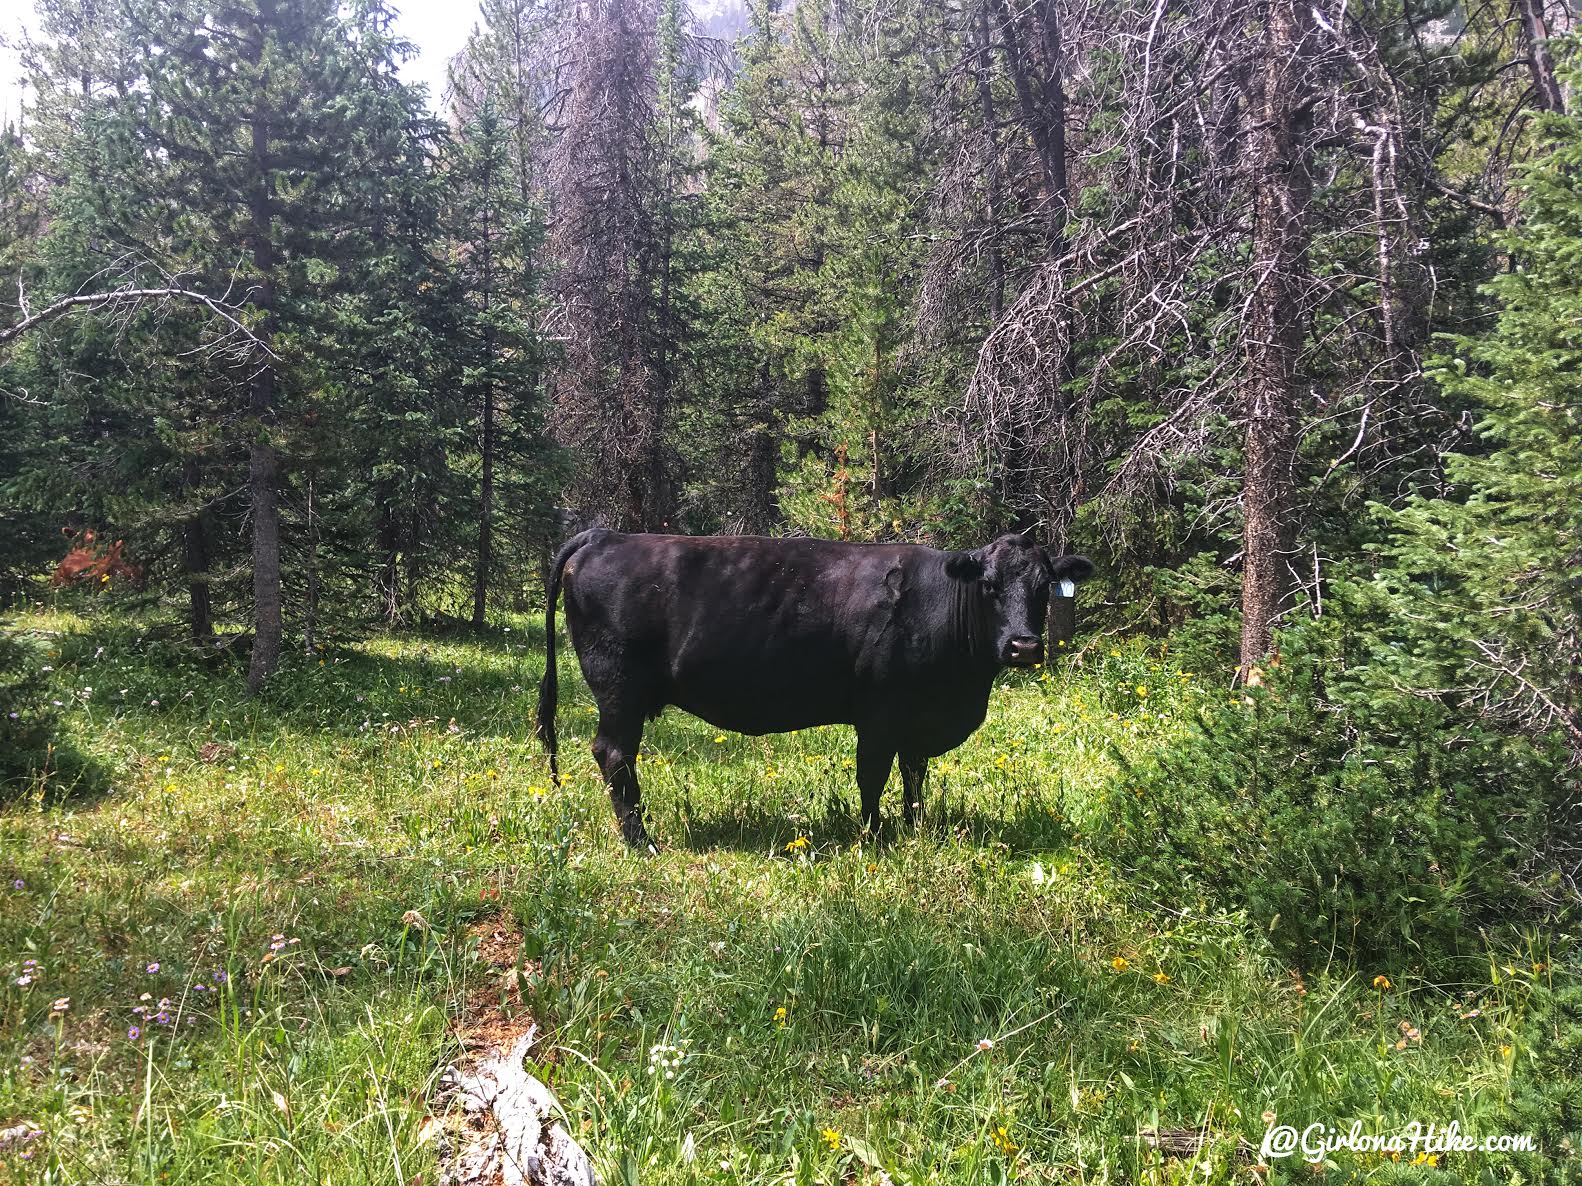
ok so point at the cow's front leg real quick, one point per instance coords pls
(873, 771)
(913, 770)
(615, 748)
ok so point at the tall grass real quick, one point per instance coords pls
(267, 920)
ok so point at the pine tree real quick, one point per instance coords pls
(23, 528)
(609, 402)
(497, 237)
(263, 150)
(1496, 565)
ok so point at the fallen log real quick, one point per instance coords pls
(510, 1128)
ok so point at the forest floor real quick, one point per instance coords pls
(243, 950)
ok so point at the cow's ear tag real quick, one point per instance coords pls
(1068, 588)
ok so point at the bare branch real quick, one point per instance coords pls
(126, 296)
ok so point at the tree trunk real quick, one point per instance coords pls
(389, 556)
(1041, 97)
(263, 464)
(1032, 481)
(195, 560)
(480, 580)
(991, 165)
(310, 617)
(1535, 31)
(262, 476)
(1279, 120)
(480, 576)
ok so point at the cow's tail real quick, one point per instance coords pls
(548, 688)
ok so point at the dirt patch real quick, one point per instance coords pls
(212, 752)
(493, 1014)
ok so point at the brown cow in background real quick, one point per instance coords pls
(85, 562)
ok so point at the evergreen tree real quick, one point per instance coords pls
(609, 402)
(23, 528)
(1496, 564)
(497, 237)
(265, 151)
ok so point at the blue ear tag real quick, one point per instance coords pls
(1068, 588)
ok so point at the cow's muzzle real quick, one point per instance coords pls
(1024, 652)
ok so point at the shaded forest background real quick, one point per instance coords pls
(1270, 307)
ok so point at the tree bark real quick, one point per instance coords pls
(991, 164)
(310, 616)
(1535, 31)
(1279, 117)
(480, 580)
(263, 464)
(1041, 96)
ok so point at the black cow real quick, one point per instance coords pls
(768, 635)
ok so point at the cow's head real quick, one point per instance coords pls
(1014, 577)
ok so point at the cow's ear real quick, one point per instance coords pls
(964, 566)
(1070, 568)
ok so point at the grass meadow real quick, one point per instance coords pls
(242, 946)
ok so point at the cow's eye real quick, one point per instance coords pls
(989, 587)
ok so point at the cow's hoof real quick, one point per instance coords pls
(638, 840)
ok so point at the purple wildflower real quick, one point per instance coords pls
(19, 884)
(133, 1033)
(153, 967)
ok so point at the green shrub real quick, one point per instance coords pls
(1546, 1098)
(1347, 812)
(27, 719)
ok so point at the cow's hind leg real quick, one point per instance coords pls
(913, 771)
(873, 771)
(615, 748)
